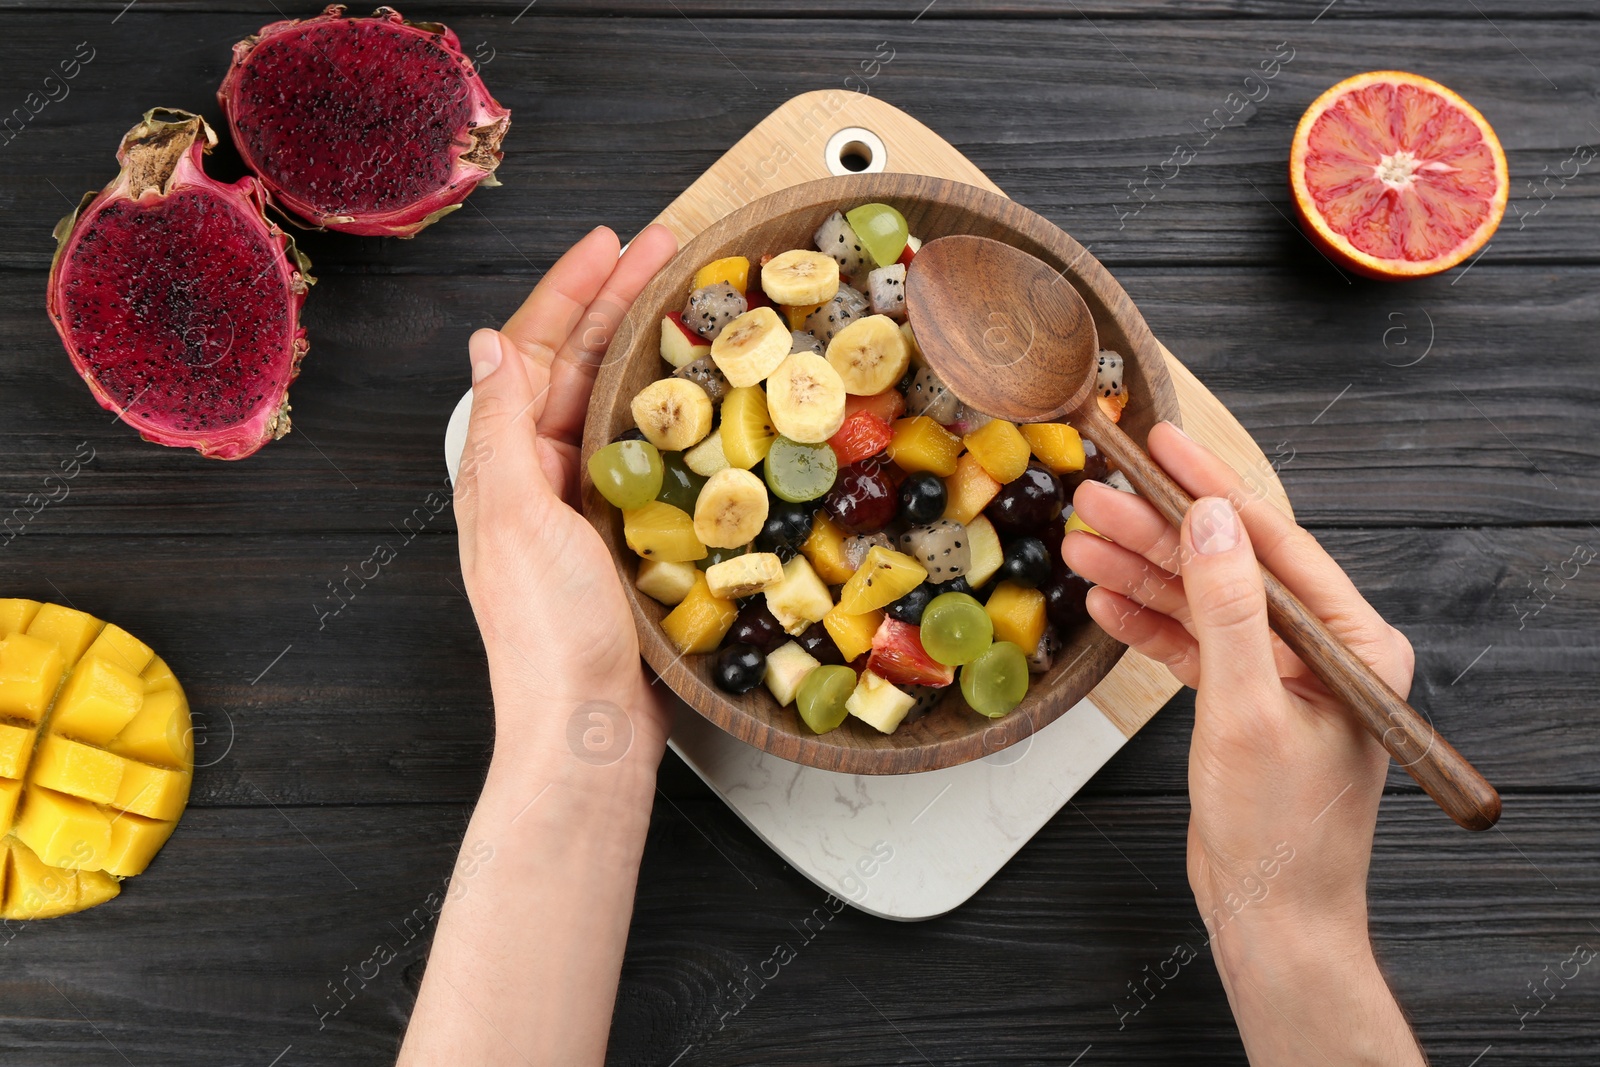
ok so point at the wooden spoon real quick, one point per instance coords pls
(1011, 337)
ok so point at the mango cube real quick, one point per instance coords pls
(921, 444)
(15, 615)
(160, 733)
(135, 841)
(1000, 448)
(69, 630)
(30, 670)
(1018, 614)
(852, 633)
(96, 758)
(10, 793)
(825, 549)
(158, 676)
(116, 645)
(64, 831)
(97, 702)
(969, 490)
(151, 791)
(700, 620)
(77, 769)
(16, 748)
(1056, 444)
(35, 889)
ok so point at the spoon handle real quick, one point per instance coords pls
(1444, 774)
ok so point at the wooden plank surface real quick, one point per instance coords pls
(1453, 489)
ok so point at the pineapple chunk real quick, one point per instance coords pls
(1000, 449)
(852, 633)
(800, 599)
(15, 615)
(825, 549)
(79, 770)
(701, 620)
(879, 703)
(746, 575)
(666, 583)
(707, 457)
(97, 702)
(30, 670)
(884, 577)
(71, 631)
(986, 551)
(787, 667)
(662, 532)
(1018, 615)
(96, 758)
(1056, 445)
(921, 444)
(969, 490)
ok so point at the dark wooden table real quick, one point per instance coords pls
(1440, 438)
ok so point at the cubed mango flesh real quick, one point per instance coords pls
(30, 671)
(98, 701)
(700, 620)
(1018, 614)
(921, 444)
(825, 549)
(68, 629)
(969, 490)
(852, 633)
(1056, 445)
(96, 758)
(63, 831)
(77, 769)
(16, 748)
(1000, 448)
(15, 615)
(117, 646)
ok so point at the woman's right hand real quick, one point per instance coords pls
(1284, 783)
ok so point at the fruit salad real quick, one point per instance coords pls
(822, 515)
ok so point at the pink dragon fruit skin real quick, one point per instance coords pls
(372, 126)
(178, 300)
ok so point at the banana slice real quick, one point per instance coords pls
(673, 413)
(746, 575)
(800, 277)
(870, 355)
(751, 346)
(731, 510)
(805, 398)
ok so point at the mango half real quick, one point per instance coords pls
(96, 758)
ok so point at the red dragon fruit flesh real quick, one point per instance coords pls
(373, 126)
(178, 301)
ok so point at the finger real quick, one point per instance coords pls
(500, 448)
(1129, 520)
(573, 370)
(1227, 604)
(1148, 632)
(547, 318)
(1288, 551)
(1121, 571)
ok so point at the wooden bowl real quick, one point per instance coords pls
(951, 733)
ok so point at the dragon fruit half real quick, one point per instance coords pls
(373, 126)
(178, 301)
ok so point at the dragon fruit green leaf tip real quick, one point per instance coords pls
(178, 300)
(368, 125)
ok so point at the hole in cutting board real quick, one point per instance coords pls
(855, 150)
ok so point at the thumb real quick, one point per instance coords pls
(501, 435)
(1227, 605)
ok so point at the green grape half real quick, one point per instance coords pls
(798, 472)
(627, 473)
(680, 486)
(821, 696)
(996, 681)
(956, 629)
(882, 230)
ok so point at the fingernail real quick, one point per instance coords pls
(1213, 525)
(1178, 430)
(484, 350)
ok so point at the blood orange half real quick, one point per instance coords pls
(1396, 176)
